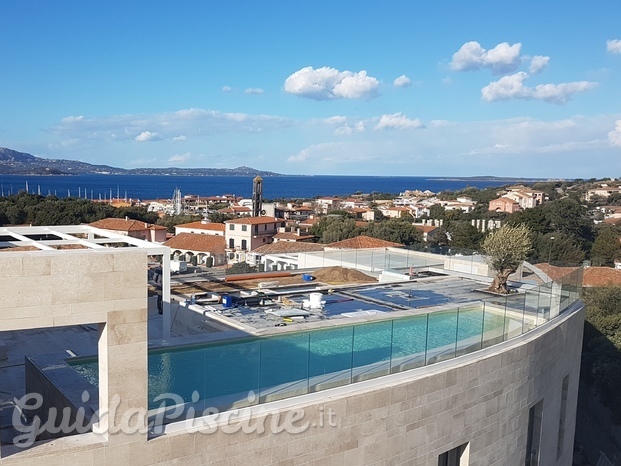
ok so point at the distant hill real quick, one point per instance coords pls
(20, 163)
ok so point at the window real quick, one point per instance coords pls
(231, 243)
(458, 456)
(244, 244)
(231, 226)
(244, 227)
(561, 419)
(533, 442)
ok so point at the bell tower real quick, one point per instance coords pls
(257, 196)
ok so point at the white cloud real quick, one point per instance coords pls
(512, 87)
(329, 83)
(402, 81)
(502, 59)
(397, 121)
(331, 154)
(146, 136)
(615, 135)
(254, 90)
(613, 46)
(186, 123)
(538, 63)
(227, 89)
(335, 120)
(301, 156)
(180, 158)
(348, 130)
(180, 138)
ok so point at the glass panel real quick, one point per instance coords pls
(565, 295)
(545, 301)
(514, 315)
(531, 309)
(469, 325)
(409, 341)
(284, 366)
(372, 350)
(175, 374)
(231, 375)
(330, 358)
(493, 322)
(442, 336)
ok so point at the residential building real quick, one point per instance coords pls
(323, 205)
(198, 249)
(237, 210)
(292, 235)
(395, 211)
(133, 228)
(248, 233)
(429, 231)
(504, 204)
(203, 228)
(604, 192)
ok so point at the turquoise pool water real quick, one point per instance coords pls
(303, 361)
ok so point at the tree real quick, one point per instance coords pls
(463, 235)
(170, 221)
(556, 247)
(601, 364)
(506, 249)
(436, 211)
(332, 229)
(241, 267)
(606, 247)
(339, 229)
(219, 217)
(395, 230)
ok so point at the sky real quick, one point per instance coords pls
(407, 88)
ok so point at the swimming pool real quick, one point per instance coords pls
(282, 366)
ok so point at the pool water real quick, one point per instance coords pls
(307, 359)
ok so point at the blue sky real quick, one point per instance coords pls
(350, 87)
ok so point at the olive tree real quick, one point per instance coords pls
(505, 250)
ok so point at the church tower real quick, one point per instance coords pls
(257, 196)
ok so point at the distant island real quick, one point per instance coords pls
(19, 163)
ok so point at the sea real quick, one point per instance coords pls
(149, 187)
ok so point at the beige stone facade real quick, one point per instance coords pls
(481, 399)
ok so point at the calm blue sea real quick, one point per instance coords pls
(162, 187)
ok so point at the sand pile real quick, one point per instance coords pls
(340, 275)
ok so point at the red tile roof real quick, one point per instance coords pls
(601, 276)
(362, 242)
(553, 271)
(592, 276)
(121, 224)
(254, 220)
(197, 242)
(204, 226)
(289, 235)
